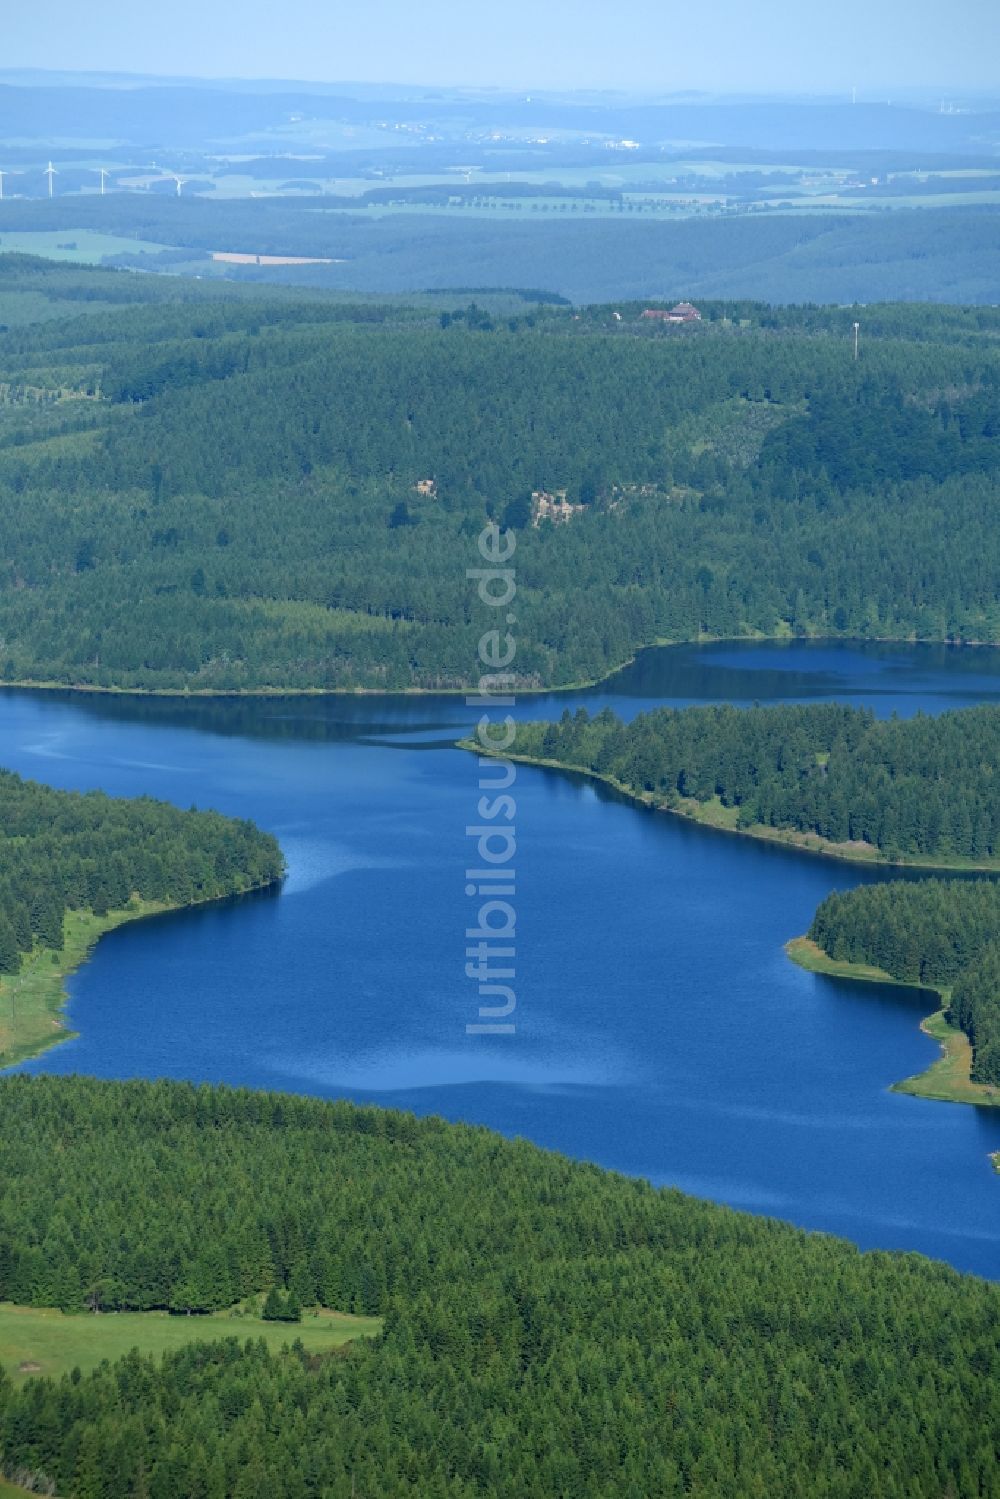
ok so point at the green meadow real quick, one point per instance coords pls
(44, 1341)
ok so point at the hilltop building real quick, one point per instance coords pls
(682, 313)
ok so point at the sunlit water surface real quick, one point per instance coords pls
(660, 1029)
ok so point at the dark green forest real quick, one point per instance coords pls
(69, 851)
(221, 492)
(550, 1328)
(240, 488)
(929, 255)
(937, 932)
(920, 788)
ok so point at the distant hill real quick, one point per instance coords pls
(935, 255)
(179, 113)
(239, 487)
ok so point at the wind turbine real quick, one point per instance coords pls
(2, 176)
(104, 177)
(180, 182)
(50, 172)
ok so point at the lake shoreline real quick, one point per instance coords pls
(206, 694)
(946, 1079)
(40, 985)
(720, 819)
(593, 1021)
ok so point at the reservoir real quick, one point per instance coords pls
(660, 1029)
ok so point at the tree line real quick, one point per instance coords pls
(921, 788)
(66, 851)
(550, 1327)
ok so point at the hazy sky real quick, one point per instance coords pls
(792, 46)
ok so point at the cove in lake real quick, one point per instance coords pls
(661, 1030)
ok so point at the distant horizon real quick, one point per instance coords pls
(641, 46)
(878, 94)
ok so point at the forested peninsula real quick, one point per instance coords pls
(837, 780)
(236, 490)
(825, 777)
(73, 865)
(549, 1327)
(942, 934)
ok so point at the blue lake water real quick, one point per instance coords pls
(660, 1028)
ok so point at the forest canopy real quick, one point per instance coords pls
(550, 1328)
(921, 789)
(911, 790)
(66, 851)
(266, 489)
(937, 932)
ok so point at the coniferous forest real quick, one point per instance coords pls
(239, 489)
(937, 932)
(65, 851)
(920, 789)
(259, 490)
(550, 1328)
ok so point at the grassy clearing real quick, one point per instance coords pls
(808, 954)
(947, 1078)
(32, 1001)
(301, 614)
(713, 814)
(61, 444)
(43, 1341)
(19, 308)
(78, 246)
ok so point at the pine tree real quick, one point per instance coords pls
(274, 1306)
(10, 958)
